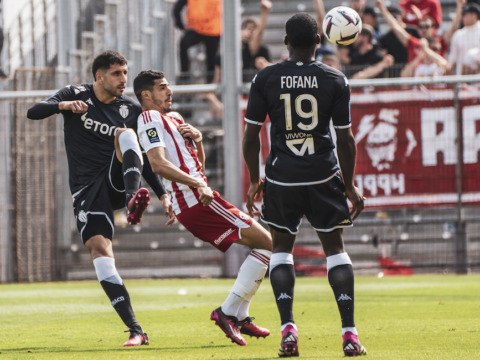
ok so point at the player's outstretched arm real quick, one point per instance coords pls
(45, 109)
(251, 150)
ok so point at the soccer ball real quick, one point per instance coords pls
(342, 25)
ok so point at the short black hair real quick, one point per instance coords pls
(107, 59)
(302, 30)
(472, 7)
(145, 81)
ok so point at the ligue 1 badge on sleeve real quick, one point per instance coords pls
(123, 110)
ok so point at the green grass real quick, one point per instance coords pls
(418, 317)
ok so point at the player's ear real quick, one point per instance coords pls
(145, 95)
(285, 40)
(318, 39)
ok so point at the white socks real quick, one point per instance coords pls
(106, 270)
(248, 281)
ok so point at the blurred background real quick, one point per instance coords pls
(418, 140)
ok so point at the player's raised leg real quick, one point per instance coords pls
(129, 153)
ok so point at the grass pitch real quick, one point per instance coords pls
(418, 317)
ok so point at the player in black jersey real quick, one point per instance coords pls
(105, 165)
(302, 175)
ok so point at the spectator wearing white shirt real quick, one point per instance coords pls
(466, 39)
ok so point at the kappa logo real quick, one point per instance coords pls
(82, 216)
(344, 222)
(117, 300)
(284, 296)
(243, 216)
(123, 110)
(344, 297)
(152, 136)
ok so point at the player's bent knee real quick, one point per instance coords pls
(127, 140)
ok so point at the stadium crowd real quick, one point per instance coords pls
(404, 38)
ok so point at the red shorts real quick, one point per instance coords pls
(218, 224)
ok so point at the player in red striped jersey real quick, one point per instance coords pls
(175, 151)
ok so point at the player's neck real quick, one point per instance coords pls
(102, 95)
(303, 56)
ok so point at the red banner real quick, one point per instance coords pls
(407, 146)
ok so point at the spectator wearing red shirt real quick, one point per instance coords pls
(415, 10)
(410, 42)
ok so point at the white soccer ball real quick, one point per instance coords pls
(342, 25)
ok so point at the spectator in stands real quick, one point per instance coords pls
(424, 64)
(203, 25)
(411, 43)
(358, 6)
(390, 44)
(364, 54)
(252, 47)
(370, 17)
(465, 46)
(255, 55)
(415, 10)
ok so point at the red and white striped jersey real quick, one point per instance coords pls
(156, 130)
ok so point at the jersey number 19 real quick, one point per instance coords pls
(300, 143)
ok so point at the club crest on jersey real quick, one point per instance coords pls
(123, 110)
(152, 135)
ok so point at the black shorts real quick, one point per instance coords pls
(93, 205)
(324, 205)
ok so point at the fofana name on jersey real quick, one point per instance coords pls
(301, 82)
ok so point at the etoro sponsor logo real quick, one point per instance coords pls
(98, 126)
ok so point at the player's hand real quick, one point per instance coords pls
(168, 210)
(357, 200)
(76, 106)
(188, 131)
(206, 195)
(254, 193)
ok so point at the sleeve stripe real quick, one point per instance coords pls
(253, 122)
(343, 126)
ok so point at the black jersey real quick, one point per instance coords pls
(300, 99)
(89, 137)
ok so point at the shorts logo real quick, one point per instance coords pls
(243, 216)
(82, 216)
(152, 135)
(345, 222)
(223, 236)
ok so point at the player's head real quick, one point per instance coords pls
(152, 91)
(105, 60)
(110, 73)
(301, 31)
